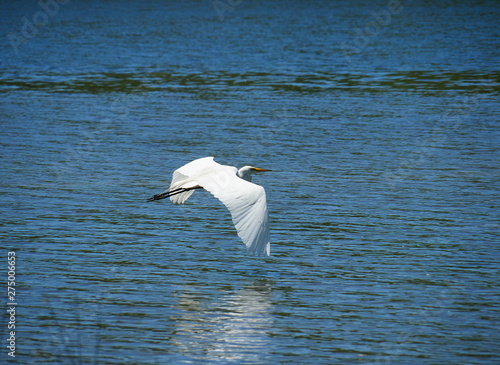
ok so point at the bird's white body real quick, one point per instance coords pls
(245, 201)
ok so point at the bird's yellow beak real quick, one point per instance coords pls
(256, 169)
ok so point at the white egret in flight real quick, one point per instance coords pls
(246, 201)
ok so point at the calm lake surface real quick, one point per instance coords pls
(379, 119)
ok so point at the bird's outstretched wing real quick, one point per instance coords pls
(245, 201)
(248, 207)
(185, 177)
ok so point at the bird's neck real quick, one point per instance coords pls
(245, 173)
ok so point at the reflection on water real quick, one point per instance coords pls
(154, 80)
(232, 327)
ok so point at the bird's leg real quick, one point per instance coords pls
(165, 194)
(170, 193)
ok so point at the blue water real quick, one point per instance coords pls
(380, 123)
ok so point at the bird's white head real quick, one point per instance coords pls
(246, 172)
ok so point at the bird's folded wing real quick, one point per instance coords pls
(247, 204)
